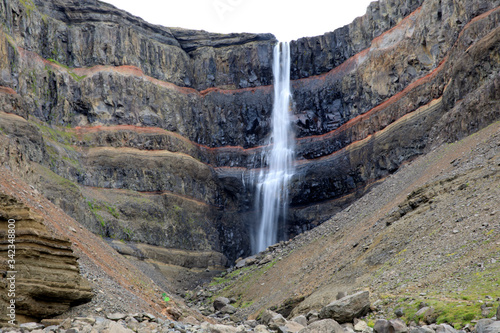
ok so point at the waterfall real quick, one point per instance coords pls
(272, 184)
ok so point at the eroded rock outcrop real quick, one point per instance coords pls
(47, 278)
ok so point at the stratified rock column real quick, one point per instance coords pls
(47, 275)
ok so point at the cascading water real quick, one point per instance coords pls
(272, 186)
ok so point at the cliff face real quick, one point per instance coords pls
(150, 134)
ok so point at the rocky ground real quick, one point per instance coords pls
(428, 234)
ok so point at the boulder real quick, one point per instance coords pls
(228, 309)
(427, 315)
(390, 326)
(347, 308)
(292, 327)
(272, 319)
(218, 328)
(220, 302)
(261, 329)
(323, 326)
(277, 321)
(493, 327)
(482, 324)
(361, 326)
(48, 275)
(114, 327)
(422, 329)
(301, 320)
(445, 328)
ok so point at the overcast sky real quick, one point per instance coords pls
(287, 20)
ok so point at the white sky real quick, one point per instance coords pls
(287, 20)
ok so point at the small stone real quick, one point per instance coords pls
(72, 229)
(360, 326)
(267, 259)
(149, 316)
(228, 309)
(399, 312)
(31, 326)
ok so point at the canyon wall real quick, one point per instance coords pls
(152, 134)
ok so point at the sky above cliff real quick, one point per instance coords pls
(287, 20)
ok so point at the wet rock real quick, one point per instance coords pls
(347, 308)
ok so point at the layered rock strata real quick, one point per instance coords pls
(153, 134)
(46, 274)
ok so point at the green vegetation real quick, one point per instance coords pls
(56, 134)
(75, 76)
(29, 5)
(454, 312)
(97, 209)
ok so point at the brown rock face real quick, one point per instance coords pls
(47, 279)
(152, 134)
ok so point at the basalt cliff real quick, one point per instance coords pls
(151, 135)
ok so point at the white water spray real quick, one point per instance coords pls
(272, 187)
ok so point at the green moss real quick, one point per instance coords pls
(59, 181)
(57, 134)
(75, 76)
(29, 5)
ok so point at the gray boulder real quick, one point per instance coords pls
(220, 302)
(323, 326)
(493, 327)
(445, 328)
(301, 320)
(482, 324)
(228, 309)
(272, 319)
(390, 326)
(347, 308)
(422, 329)
(427, 314)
